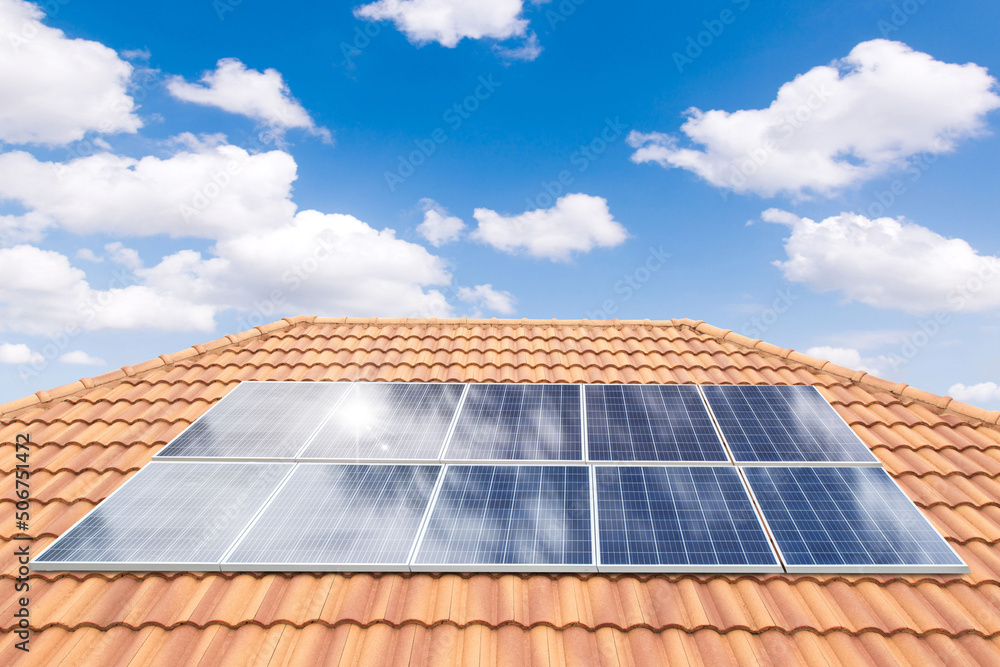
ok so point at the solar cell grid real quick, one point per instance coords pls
(387, 512)
(259, 420)
(847, 520)
(170, 515)
(783, 424)
(385, 421)
(650, 423)
(678, 519)
(504, 422)
(521, 518)
(339, 517)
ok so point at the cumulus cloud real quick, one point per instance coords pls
(438, 227)
(486, 298)
(888, 263)
(55, 89)
(82, 358)
(328, 264)
(41, 293)
(18, 354)
(28, 228)
(88, 255)
(262, 96)
(834, 126)
(976, 394)
(449, 21)
(576, 223)
(851, 358)
(208, 191)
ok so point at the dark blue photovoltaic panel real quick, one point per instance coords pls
(388, 421)
(539, 422)
(259, 420)
(783, 423)
(650, 423)
(681, 518)
(339, 516)
(847, 519)
(170, 515)
(525, 518)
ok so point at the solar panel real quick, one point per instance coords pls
(504, 422)
(176, 515)
(783, 424)
(339, 517)
(847, 520)
(258, 420)
(514, 518)
(388, 421)
(678, 519)
(650, 423)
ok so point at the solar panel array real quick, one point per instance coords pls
(323, 476)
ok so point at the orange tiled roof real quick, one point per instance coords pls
(95, 433)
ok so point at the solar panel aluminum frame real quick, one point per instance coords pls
(928, 568)
(873, 463)
(180, 566)
(227, 566)
(159, 456)
(506, 462)
(680, 463)
(585, 440)
(389, 460)
(614, 568)
(476, 568)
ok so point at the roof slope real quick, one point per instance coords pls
(95, 433)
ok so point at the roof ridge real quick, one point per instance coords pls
(690, 629)
(944, 403)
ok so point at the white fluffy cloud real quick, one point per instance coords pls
(486, 298)
(888, 263)
(55, 89)
(208, 191)
(327, 264)
(976, 394)
(81, 358)
(41, 293)
(438, 227)
(449, 21)
(834, 126)
(851, 358)
(27, 228)
(263, 96)
(576, 223)
(18, 354)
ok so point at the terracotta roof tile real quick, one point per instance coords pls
(96, 433)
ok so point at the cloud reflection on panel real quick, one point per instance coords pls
(339, 517)
(390, 421)
(507, 518)
(517, 422)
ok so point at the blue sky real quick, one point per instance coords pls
(819, 175)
